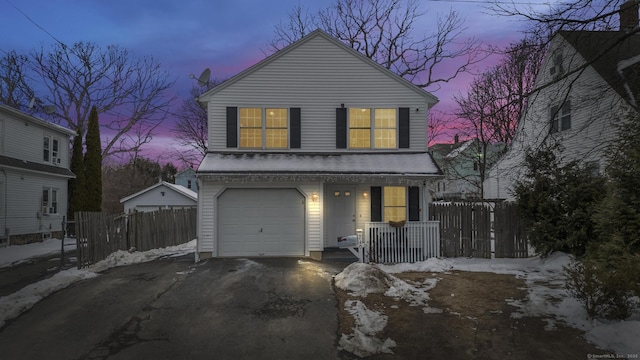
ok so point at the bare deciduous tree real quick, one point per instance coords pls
(15, 91)
(496, 100)
(132, 93)
(386, 32)
(191, 127)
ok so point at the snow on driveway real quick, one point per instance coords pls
(547, 298)
(15, 304)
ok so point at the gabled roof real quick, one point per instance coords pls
(177, 188)
(34, 120)
(319, 33)
(615, 55)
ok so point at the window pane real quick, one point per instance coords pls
(385, 139)
(277, 138)
(54, 201)
(385, 118)
(276, 129)
(250, 127)
(251, 138)
(359, 118)
(45, 146)
(385, 128)
(276, 118)
(360, 138)
(395, 203)
(250, 117)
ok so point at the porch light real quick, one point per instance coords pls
(314, 197)
(365, 194)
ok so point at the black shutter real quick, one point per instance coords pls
(403, 128)
(341, 128)
(376, 203)
(414, 203)
(232, 127)
(294, 115)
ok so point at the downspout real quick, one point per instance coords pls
(4, 228)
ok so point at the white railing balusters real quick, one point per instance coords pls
(415, 241)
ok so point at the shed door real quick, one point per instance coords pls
(261, 222)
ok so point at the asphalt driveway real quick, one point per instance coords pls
(282, 308)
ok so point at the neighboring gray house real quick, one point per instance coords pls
(588, 83)
(187, 178)
(461, 162)
(160, 196)
(34, 177)
(309, 145)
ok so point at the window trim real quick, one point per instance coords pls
(405, 206)
(51, 201)
(560, 117)
(263, 127)
(51, 149)
(372, 128)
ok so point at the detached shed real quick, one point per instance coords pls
(162, 195)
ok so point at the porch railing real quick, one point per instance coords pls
(415, 241)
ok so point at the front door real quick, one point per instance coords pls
(342, 213)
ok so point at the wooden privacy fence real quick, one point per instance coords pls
(469, 229)
(99, 234)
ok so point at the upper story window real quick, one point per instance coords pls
(377, 129)
(560, 117)
(270, 133)
(51, 150)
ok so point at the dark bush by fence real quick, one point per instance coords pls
(99, 235)
(468, 229)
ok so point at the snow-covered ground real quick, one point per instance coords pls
(547, 298)
(17, 254)
(13, 305)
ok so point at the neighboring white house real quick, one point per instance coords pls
(309, 145)
(34, 177)
(187, 178)
(461, 163)
(162, 195)
(589, 82)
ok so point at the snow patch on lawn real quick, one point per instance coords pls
(24, 299)
(547, 296)
(363, 341)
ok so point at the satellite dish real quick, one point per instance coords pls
(49, 109)
(203, 79)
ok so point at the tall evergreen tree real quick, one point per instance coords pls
(93, 164)
(77, 186)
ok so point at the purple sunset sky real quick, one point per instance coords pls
(226, 36)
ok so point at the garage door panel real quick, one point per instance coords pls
(267, 222)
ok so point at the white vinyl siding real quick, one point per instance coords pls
(24, 214)
(317, 77)
(208, 213)
(595, 107)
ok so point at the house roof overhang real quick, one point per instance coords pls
(18, 164)
(352, 167)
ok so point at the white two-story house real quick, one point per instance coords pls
(34, 177)
(588, 83)
(309, 145)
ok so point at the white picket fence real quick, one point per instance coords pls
(415, 241)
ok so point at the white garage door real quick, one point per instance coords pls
(261, 222)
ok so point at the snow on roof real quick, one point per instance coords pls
(177, 188)
(420, 164)
(460, 149)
